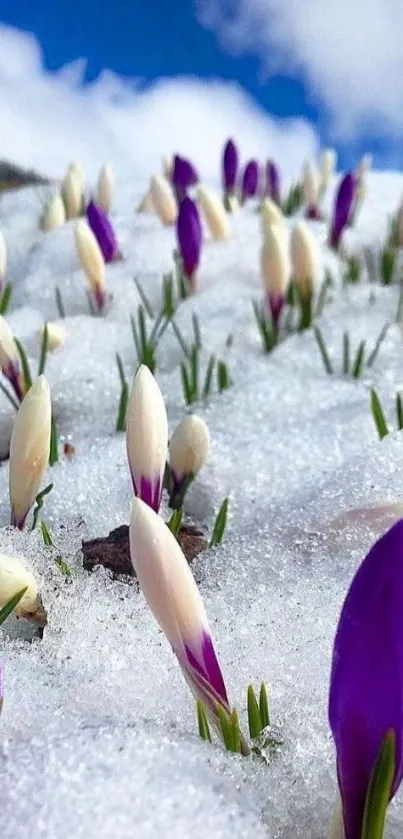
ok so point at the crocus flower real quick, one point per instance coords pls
(92, 261)
(15, 576)
(174, 599)
(163, 199)
(271, 214)
(189, 237)
(56, 335)
(275, 269)
(229, 167)
(188, 451)
(184, 175)
(273, 182)
(3, 259)
(327, 166)
(29, 450)
(342, 209)
(146, 204)
(304, 259)
(147, 438)
(54, 214)
(72, 192)
(167, 166)
(10, 360)
(250, 180)
(311, 191)
(103, 232)
(214, 212)
(366, 684)
(105, 187)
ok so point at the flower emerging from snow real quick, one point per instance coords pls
(271, 214)
(229, 168)
(304, 259)
(366, 685)
(163, 200)
(275, 269)
(214, 213)
(184, 175)
(147, 438)
(56, 335)
(9, 359)
(345, 198)
(188, 451)
(29, 450)
(92, 262)
(311, 184)
(72, 191)
(189, 237)
(14, 577)
(54, 214)
(174, 599)
(103, 231)
(273, 189)
(327, 167)
(105, 187)
(250, 180)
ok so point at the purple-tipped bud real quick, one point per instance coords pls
(189, 237)
(184, 175)
(343, 206)
(366, 685)
(250, 180)
(273, 182)
(229, 167)
(103, 231)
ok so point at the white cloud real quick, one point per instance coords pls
(349, 51)
(48, 119)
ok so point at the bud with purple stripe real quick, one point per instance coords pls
(103, 231)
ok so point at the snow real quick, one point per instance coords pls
(97, 735)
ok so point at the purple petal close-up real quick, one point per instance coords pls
(366, 685)
(273, 182)
(189, 236)
(230, 166)
(149, 491)
(208, 667)
(250, 179)
(184, 174)
(343, 205)
(103, 231)
(275, 303)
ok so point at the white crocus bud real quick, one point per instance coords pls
(304, 259)
(163, 199)
(214, 212)
(364, 166)
(233, 205)
(311, 185)
(188, 450)
(72, 194)
(78, 170)
(3, 258)
(56, 335)
(271, 214)
(55, 214)
(147, 437)
(92, 261)
(105, 187)
(14, 577)
(327, 167)
(9, 359)
(29, 450)
(146, 204)
(275, 268)
(167, 166)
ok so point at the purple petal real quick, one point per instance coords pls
(184, 174)
(149, 491)
(343, 206)
(366, 686)
(208, 667)
(230, 166)
(273, 182)
(13, 373)
(189, 236)
(313, 213)
(275, 304)
(250, 179)
(103, 231)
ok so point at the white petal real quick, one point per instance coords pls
(15, 576)
(304, 256)
(56, 335)
(274, 260)
(90, 255)
(8, 349)
(105, 187)
(163, 199)
(189, 446)
(55, 214)
(214, 212)
(147, 428)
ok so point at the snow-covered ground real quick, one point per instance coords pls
(97, 735)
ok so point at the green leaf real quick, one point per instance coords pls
(320, 305)
(208, 377)
(44, 350)
(379, 789)
(204, 730)
(5, 298)
(378, 415)
(323, 351)
(144, 299)
(54, 447)
(359, 361)
(378, 344)
(223, 379)
(39, 501)
(194, 368)
(187, 390)
(196, 331)
(9, 396)
(177, 496)
(135, 337)
(225, 728)
(175, 521)
(59, 302)
(181, 340)
(63, 566)
(264, 706)
(236, 732)
(399, 411)
(220, 524)
(387, 266)
(254, 720)
(26, 373)
(124, 396)
(47, 539)
(346, 353)
(11, 605)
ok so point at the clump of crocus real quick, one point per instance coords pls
(304, 262)
(189, 238)
(345, 198)
(229, 172)
(189, 447)
(10, 360)
(163, 199)
(273, 186)
(327, 167)
(366, 689)
(311, 184)
(54, 214)
(184, 175)
(250, 180)
(56, 335)
(103, 231)
(29, 450)
(275, 269)
(3, 259)
(147, 438)
(14, 577)
(271, 214)
(174, 599)
(92, 262)
(214, 212)
(72, 191)
(105, 188)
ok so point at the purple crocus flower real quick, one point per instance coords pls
(343, 206)
(189, 237)
(250, 180)
(103, 232)
(229, 167)
(273, 182)
(184, 175)
(366, 685)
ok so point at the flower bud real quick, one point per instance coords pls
(273, 189)
(29, 450)
(54, 215)
(304, 259)
(271, 214)
(147, 437)
(275, 269)
(214, 212)
(92, 261)
(3, 258)
(184, 175)
(72, 193)
(146, 204)
(15, 576)
(188, 449)
(168, 166)
(56, 335)
(105, 187)
(327, 167)
(10, 360)
(103, 231)
(250, 180)
(163, 199)
(311, 191)
(189, 237)
(344, 207)
(229, 167)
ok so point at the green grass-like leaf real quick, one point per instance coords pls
(378, 415)
(44, 350)
(59, 303)
(223, 377)
(264, 706)
(124, 396)
(379, 789)
(387, 264)
(9, 396)
(254, 719)
(220, 524)
(54, 447)
(268, 334)
(144, 299)
(5, 298)
(47, 539)
(39, 501)
(323, 351)
(399, 411)
(382, 335)
(11, 604)
(26, 373)
(359, 361)
(202, 721)
(208, 378)
(175, 521)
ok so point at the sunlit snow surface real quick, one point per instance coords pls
(97, 735)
